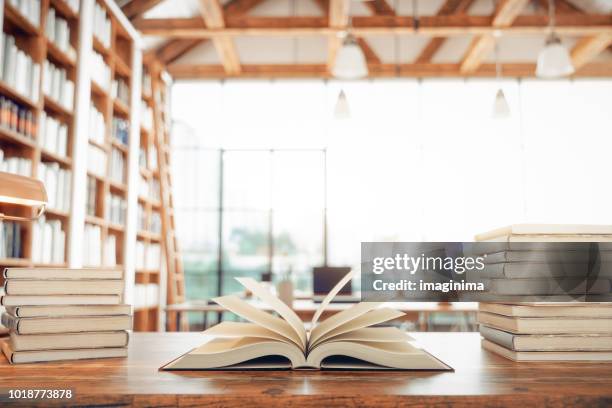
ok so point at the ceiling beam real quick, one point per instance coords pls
(173, 49)
(434, 45)
(433, 26)
(587, 48)
(185, 71)
(379, 7)
(505, 14)
(368, 52)
(136, 8)
(338, 19)
(212, 14)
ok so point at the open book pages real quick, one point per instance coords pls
(345, 340)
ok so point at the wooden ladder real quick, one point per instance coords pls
(174, 266)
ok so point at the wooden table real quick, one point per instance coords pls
(419, 312)
(480, 377)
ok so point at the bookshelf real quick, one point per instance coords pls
(149, 266)
(69, 115)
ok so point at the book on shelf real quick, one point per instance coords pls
(101, 25)
(69, 310)
(344, 341)
(92, 245)
(50, 287)
(110, 250)
(30, 9)
(546, 325)
(117, 166)
(17, 118)
(146, 295)
(57, 85)
(53, 135)
(66, 324)
(547, 342)
(92, 192)
(121, 130)
(57, 181)
(57, 31)
(15, 164)
(120, 90)
(42, 300)
(100, 71)
(22, 357)
(97, 125)
(148, 256)
(67, 341)
(49, 243)
(10, 239)
(115, 209)
(546, 355)
(96, 161)
(19, 70)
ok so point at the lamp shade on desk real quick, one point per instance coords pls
(22, 191)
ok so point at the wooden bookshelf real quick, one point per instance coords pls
(121, 53)
(31, 38)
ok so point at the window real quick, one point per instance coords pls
(264, 213)
(419, 160)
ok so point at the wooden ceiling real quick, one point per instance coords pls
(222, 23)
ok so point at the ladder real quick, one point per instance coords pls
(175, 282)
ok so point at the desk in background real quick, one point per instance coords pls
(420, 312)
(480, 378)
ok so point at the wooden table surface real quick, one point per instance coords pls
(480, 377)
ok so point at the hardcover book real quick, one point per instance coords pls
(345, 340)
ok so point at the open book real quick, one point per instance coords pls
(342, 341)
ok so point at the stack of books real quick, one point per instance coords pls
(64, 314)
(522, 319)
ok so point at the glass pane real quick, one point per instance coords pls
(245, 246)
(246, 180)
(198, 237)
(298, 180)
(298, 245)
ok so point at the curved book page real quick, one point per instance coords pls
(373, 334)
(371, 318)
(340, 318)
(375, 355)
(229, 353)
(237, 329)
(238, 306)
(277, 305)
(330, 296)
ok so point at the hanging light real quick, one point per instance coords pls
(342, 109)
(501, 109)
(554, 60)
(350, 61)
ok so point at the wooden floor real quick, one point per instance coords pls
(479, 378)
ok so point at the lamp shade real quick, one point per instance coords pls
(23, 191)
(342, 109)
(350, 61)
(554, 60)
(501, 109)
